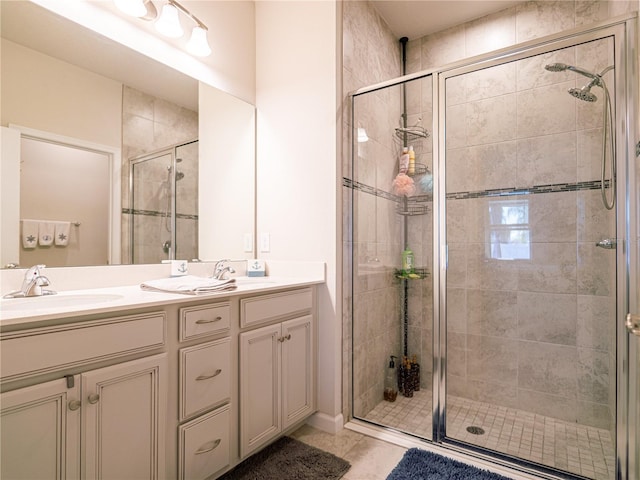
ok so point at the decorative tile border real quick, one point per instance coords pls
(154, 213)
(347, 182)
(536, 189)
(498, 192)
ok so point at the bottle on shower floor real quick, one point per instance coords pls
(390, 382)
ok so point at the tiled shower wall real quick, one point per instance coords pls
(149, 124)
(371, 54)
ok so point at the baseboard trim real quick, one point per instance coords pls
(326, 423)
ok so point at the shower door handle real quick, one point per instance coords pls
(633, 324)
(608, 243)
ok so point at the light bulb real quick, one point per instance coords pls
(135, 8)
(169, 24)
(197, 44)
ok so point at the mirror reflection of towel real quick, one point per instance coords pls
(46, 231)
(62, 233)
(29, 234)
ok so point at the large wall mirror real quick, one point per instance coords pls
(129, 160)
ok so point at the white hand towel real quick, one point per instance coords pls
(189, 285)
(29, 234)
(62, 233)
(46, 231)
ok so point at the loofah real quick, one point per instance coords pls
(403, 185)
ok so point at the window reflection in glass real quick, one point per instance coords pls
(508, 230)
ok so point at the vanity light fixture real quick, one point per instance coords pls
(137, 8)
(168, 23)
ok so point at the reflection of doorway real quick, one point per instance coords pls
(164, 200)
(71, 180)
(66, 184)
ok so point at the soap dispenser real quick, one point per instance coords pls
(390, 382)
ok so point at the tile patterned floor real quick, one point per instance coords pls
(370, 458)
(576, 448)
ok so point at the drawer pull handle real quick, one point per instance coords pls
(74, 405)
(208, 320)
(211, 375)
(93, 398)
(286, 337)
(209, 446)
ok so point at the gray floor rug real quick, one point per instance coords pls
(419, 464)
(289, 459)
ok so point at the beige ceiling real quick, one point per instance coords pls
(416, 18)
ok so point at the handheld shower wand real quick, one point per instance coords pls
(586, 95)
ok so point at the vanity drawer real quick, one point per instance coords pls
(204, 320)
(48, 349)
(204, 376)
(204, 445)
(276, 306)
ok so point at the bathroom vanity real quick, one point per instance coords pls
(154, 385)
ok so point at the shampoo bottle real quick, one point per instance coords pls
(412, 161)
(407, 261)
(403, 162)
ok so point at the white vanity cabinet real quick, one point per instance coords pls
(205, 390)
(40, 432)
(277, 365)
(184, 388)
(86, 424)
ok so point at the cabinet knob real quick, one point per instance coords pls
(210, 375)
(209, 446)
(288, 337)
(93, 398)
(74, 405)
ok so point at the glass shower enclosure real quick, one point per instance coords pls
(164, 204)
(505, 336)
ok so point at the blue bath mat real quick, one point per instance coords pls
(422, 465)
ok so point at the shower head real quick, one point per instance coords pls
(556, 67)
(561, 67)
(583, 93)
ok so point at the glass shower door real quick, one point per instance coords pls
(530, 298)
(152, 203)
(392, 305)
(186, 204)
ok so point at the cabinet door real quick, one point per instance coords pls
(298, 385)
(259, 387)
(40, 432)
(124, 410)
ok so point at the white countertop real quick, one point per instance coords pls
(75, 303)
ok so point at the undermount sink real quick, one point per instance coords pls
(56, 301)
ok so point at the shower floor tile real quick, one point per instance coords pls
(579, 449)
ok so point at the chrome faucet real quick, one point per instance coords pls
(32, 284)
(220, 270)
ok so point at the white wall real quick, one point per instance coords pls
(41, 92)
(296, 98)
(226, 176)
